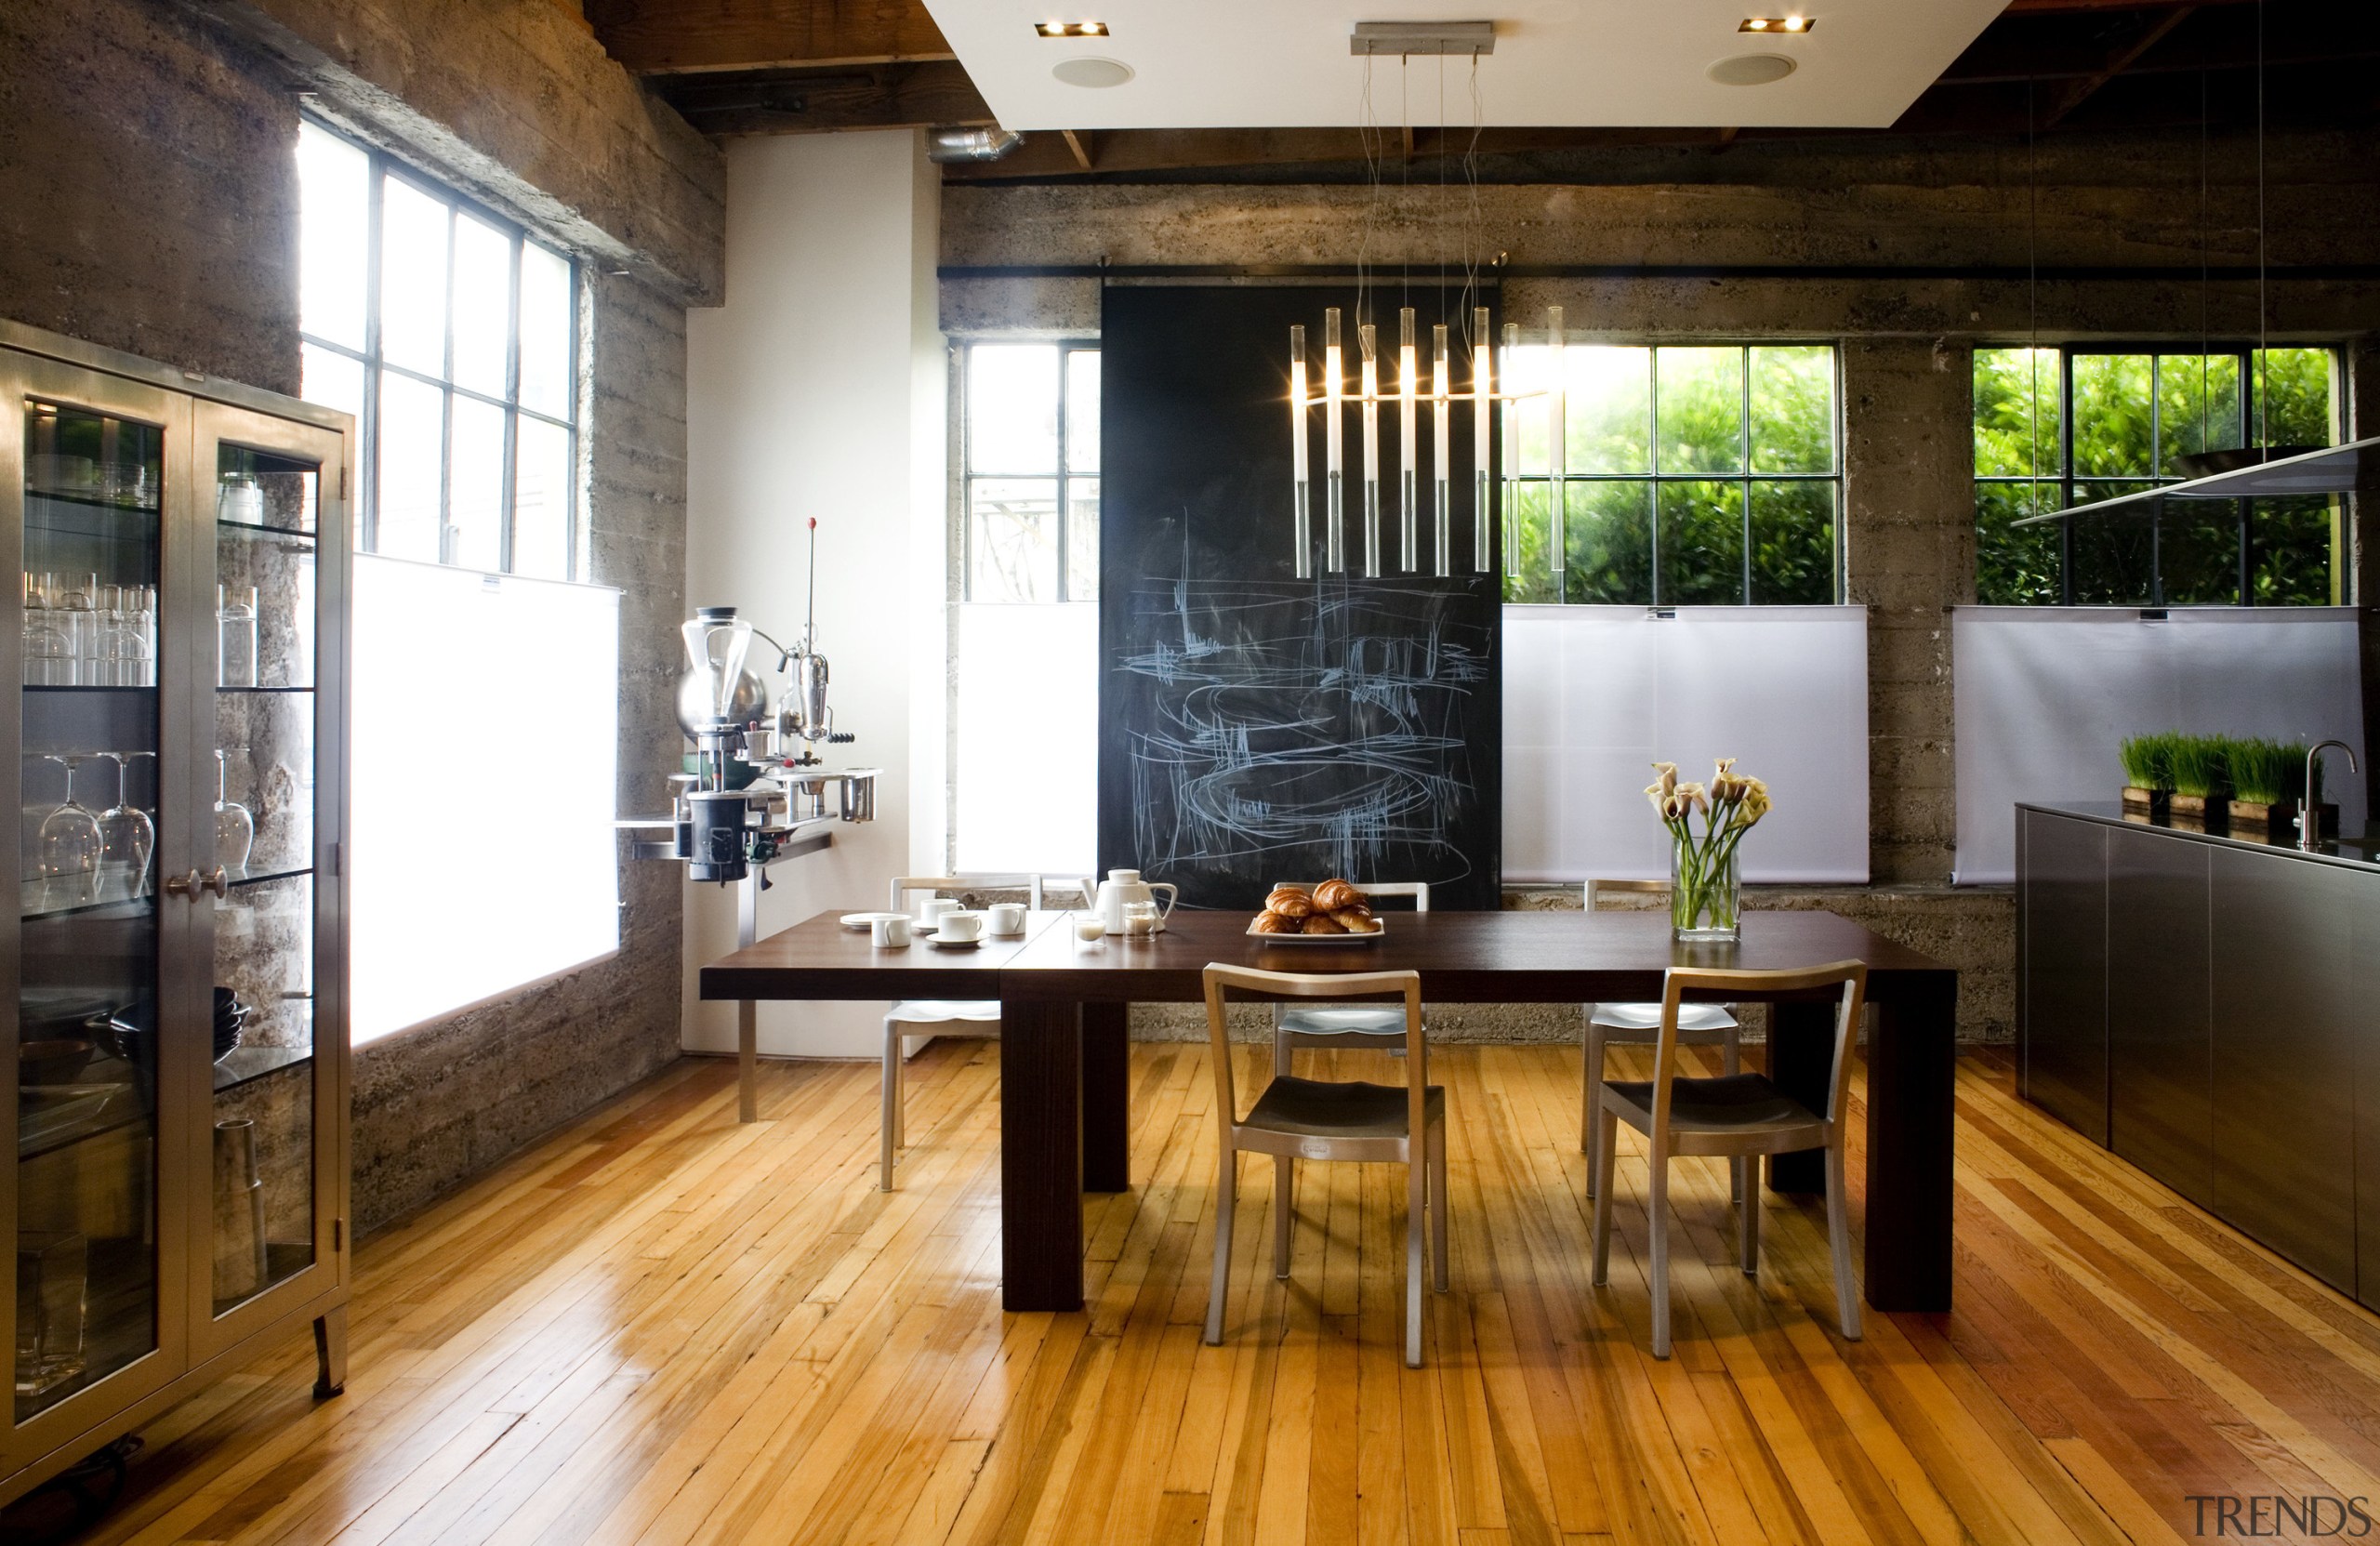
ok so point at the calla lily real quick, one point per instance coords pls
(1731, 804)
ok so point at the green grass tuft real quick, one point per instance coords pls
(2149, 761)
(2200, 768)
(2261, 771)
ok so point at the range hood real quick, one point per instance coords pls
(2350, 469)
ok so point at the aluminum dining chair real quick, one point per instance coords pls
(1738, 1116)
(976, 1018)
(1699, 1025)
(1372, 1026)
(1295, 1118)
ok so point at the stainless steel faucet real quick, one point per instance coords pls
(2309, 815)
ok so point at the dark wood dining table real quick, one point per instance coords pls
(1066, 1074)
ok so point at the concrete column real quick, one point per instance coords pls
(1908, 540)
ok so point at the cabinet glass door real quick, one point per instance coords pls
(87, 947)
(273, 942)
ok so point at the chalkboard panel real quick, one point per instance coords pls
(1255, 727)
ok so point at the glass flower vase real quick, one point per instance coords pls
(1706, 896)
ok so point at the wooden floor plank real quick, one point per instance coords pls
(661, 1326)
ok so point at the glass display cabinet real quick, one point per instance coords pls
(179, 1193)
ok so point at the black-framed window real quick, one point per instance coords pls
(1029, 480)
(1693, 474)
(2059, 427)
(454, 339)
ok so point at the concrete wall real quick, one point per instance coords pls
(817, 394)
(1836, 209)
(147, 201)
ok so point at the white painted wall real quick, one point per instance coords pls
(819, 390)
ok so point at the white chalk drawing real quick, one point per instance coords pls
(1293, 728)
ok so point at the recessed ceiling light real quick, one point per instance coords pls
(1093, 71)
(1071, 28)
(1778, 24)
(1752, 70)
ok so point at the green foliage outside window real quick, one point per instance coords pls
(1692, 475)
(2052, 431)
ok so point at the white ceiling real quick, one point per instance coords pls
(1558, 64)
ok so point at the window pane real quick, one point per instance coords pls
(1607, 411)
(1083, 410)
(1792, 413)
(2016, 413)
(2015, 566)
(2111, 416)
(482, 305)
(412, 468)
(1702, 409)
(1082, 539)
(2112, 555)
(1529, 573)
(412, 278)
(475, 486)
(1013, 538)
(547, 323)
(1608, 531)
(1012, 408)
(2198, 407)
(334, 229)
(333, 380)
(1701, 543)
(2198, 552)
(1526, 449)
(542, 509)
(2296, 385)
(2292, 545)
(1793, 544)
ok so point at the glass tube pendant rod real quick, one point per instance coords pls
(1409, 483)
(1555, 439)
(1298, 452)
(1369, 337)
(1334, 388)
(1441, 411)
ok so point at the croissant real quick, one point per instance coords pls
(1273, 923)
(1355, 920)
(1290, 903)
(1323, 923)
(1332, 895)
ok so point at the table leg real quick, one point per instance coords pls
(1107, 1099)
(747, 1060)
(1041, 1171)
(1912, 1102)
(1801, 1058)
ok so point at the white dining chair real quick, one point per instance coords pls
(1377, 1025)
(1347, 1120)
(1699, 1025)
(1738, 1116)
(975, 1018)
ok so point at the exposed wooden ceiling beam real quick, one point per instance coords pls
(933, 94)
(2125, 57)
(663, 38)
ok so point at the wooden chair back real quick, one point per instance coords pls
(1849, 978)
(1221, 978)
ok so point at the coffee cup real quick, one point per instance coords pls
(1007, 917)
(889, 932)
(930, 911)
(959, 927)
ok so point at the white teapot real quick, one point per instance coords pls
(1126, 885)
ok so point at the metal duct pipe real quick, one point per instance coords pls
(949, 145)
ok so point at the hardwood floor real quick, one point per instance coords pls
(662, 1327)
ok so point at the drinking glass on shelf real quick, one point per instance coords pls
(70, 845)
(77, 618)
(235, 620)
(235, 830)
(128, 838)
(50, 654)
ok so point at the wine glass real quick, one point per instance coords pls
(235, 830)
(128, 836)
(70, 845)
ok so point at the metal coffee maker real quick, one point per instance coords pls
(717, 700)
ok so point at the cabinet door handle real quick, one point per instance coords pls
(189, 887)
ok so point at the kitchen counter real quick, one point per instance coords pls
(2355, 844)
(2204, 1007)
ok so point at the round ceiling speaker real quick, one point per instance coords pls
(1752, 70)
(1093, 71)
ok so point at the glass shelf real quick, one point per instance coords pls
(45, 688)
(264, 878)
(126, 908)
(221, 525)
(78, 1112)
(264, 689)
(89, 501)
(245, 1065)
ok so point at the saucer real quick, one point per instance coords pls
(860, 921)
(956, 944)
